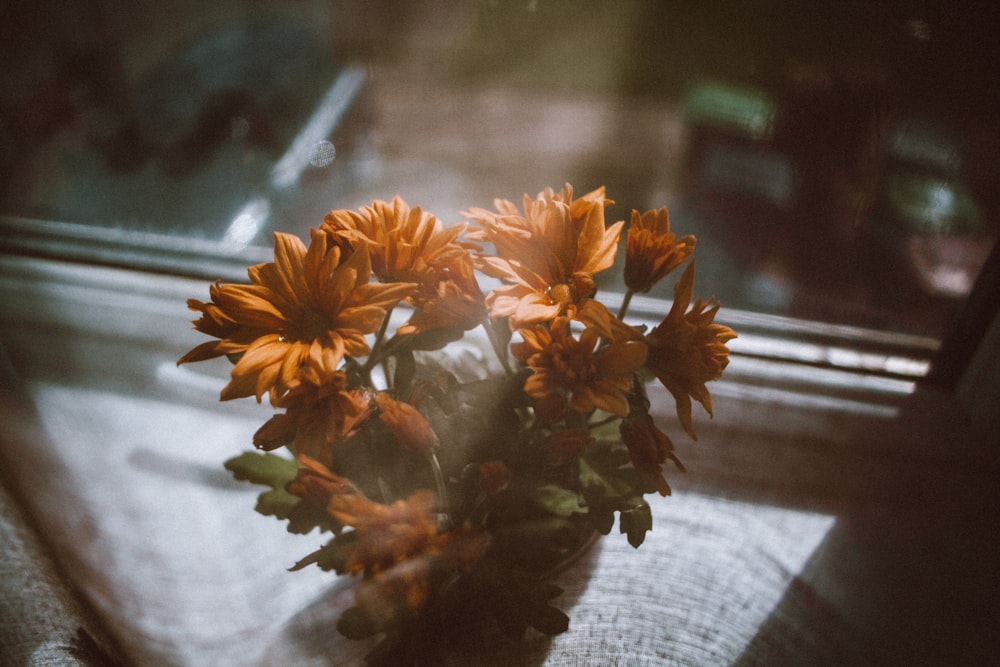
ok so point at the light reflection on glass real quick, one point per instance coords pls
(323, 154)
(837, 356)
(804, 401)
(334, 104)
(247, 223)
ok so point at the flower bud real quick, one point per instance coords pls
(494, 476)
(406, 423)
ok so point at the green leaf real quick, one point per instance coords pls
(277, 503)
(547, 619)
(605, 486)
(511, 625)
(545, 590)
(406, 369)
(535, 545)
(328, 557)
(558, 500)
(262, 468)
(518, 600)
(303, 517)
(277, 472)
(608, 479)
(602, 520)
(610, 484)
(606, 433)
(433, 339)
(636, 522)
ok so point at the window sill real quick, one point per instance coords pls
(819, 496)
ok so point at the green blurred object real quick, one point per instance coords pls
(923, 144)
(743, 111)
(926, 204)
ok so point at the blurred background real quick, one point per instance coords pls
(835, 159)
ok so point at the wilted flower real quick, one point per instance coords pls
(397, 547)
(652, 250)
(317, 484)
(687, 349)
(398, 591)
(318, 416)
(648, 448)
(386, 534)
(406, 423)
(300, 316)
(551, 408)
(494, 476)
(567, 445)
(395, 593)
(562, 362)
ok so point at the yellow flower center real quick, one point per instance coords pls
(572, 363)
(562, 293)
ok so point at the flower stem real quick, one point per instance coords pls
(480, 511)
(625, 302)
(444, 514)
(499, 350)
(380, 336)
(375, 354)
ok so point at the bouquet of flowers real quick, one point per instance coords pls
(453, 481)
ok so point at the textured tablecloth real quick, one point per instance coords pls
(190, 575)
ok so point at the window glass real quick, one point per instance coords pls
(835, 160)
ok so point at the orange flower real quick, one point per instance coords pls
(397, 547)
(652, 250)
(391, 534)
(215, 321)
(410, 245)
(494, 476)
(565, 446)
(648, 447)
(448, 297)
(562, 362)
(406, 423)
(396, 592)
(317, 484)
(687, 349)
(297, 320)
(386, 534)
(404, 243)
(317, 418)
(550, 408)
(547, 257)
